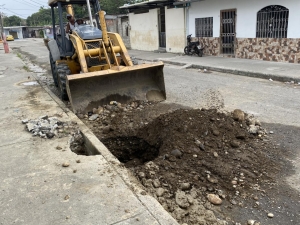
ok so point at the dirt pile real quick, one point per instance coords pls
(193, 161)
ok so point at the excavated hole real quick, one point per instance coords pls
(131, 150)
(77, 144)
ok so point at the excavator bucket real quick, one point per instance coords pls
(122, 84)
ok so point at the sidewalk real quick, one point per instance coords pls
(278, 71)
(36, 189)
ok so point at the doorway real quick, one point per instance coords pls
(228, 31)
(162, 27)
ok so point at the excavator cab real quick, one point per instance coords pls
(92, 67)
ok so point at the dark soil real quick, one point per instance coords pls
(181, 155)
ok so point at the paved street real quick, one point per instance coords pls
(276, 104)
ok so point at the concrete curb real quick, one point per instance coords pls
(230, 71)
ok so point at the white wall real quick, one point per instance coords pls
(18, 29)
(175, 30)
(246, 15)
(144, 30)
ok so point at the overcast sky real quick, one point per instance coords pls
(21, 8)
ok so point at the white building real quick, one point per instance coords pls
(16, 31)
(156, 25)
(251, 29)
(266, 30)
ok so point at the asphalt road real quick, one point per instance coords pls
(275, 104)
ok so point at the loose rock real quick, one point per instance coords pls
(238, 115)
(66, 164)
(214, 199)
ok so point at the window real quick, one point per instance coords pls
(204, 27)
(272, 22)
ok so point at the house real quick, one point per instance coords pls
(16, 31)
(119, 24)
(250, 29)
(156, 25)
(265, 30)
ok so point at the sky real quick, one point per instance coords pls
(21, 8)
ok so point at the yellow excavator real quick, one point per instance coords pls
(92, 67)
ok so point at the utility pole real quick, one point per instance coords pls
(5, 44)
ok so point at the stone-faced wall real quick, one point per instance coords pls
(211, 45)
(269, 49)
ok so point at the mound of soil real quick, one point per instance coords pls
(193, 161)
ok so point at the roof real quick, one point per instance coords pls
(13, 27)
(151, 4)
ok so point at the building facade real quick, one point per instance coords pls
(156, 25)
(264, 30)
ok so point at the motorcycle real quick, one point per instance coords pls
(193, 47)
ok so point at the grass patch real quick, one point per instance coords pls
(19, 55)
(26, 68)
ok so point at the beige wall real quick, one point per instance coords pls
(144, 30)
(175, 30)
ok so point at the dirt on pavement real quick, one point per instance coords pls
(193, 161)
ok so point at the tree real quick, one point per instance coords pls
(12, 21)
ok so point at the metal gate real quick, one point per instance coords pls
(227, 31)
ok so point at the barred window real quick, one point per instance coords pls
(272, 22)
(204, 27)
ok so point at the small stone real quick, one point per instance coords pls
(257, 123)
(95, 111)
(160, 192)
(50, 135)
(143, 193)
(212, 180)
(74, 171)
(177, 153)
(233, 202)
(201, 146)
(253, 129)
(216, 132)
(214, 199)
(251, 222)
(255, 198)
(215, 154)
(25, 121)
(195, 156)
(271, 132)
(67, 217)
(66, 164)
(66, 197)
(185, 186)
(78, 161)
(93, 117)
(234, 182)
(141, 175)
(156, 183)
(235, 144)
(270, 215)
(197, 142)
(238, 115)
(58, 148)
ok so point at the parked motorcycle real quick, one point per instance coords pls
(193, 47)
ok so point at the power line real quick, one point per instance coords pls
(14, 12)
(33, 4)
(26, 3)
